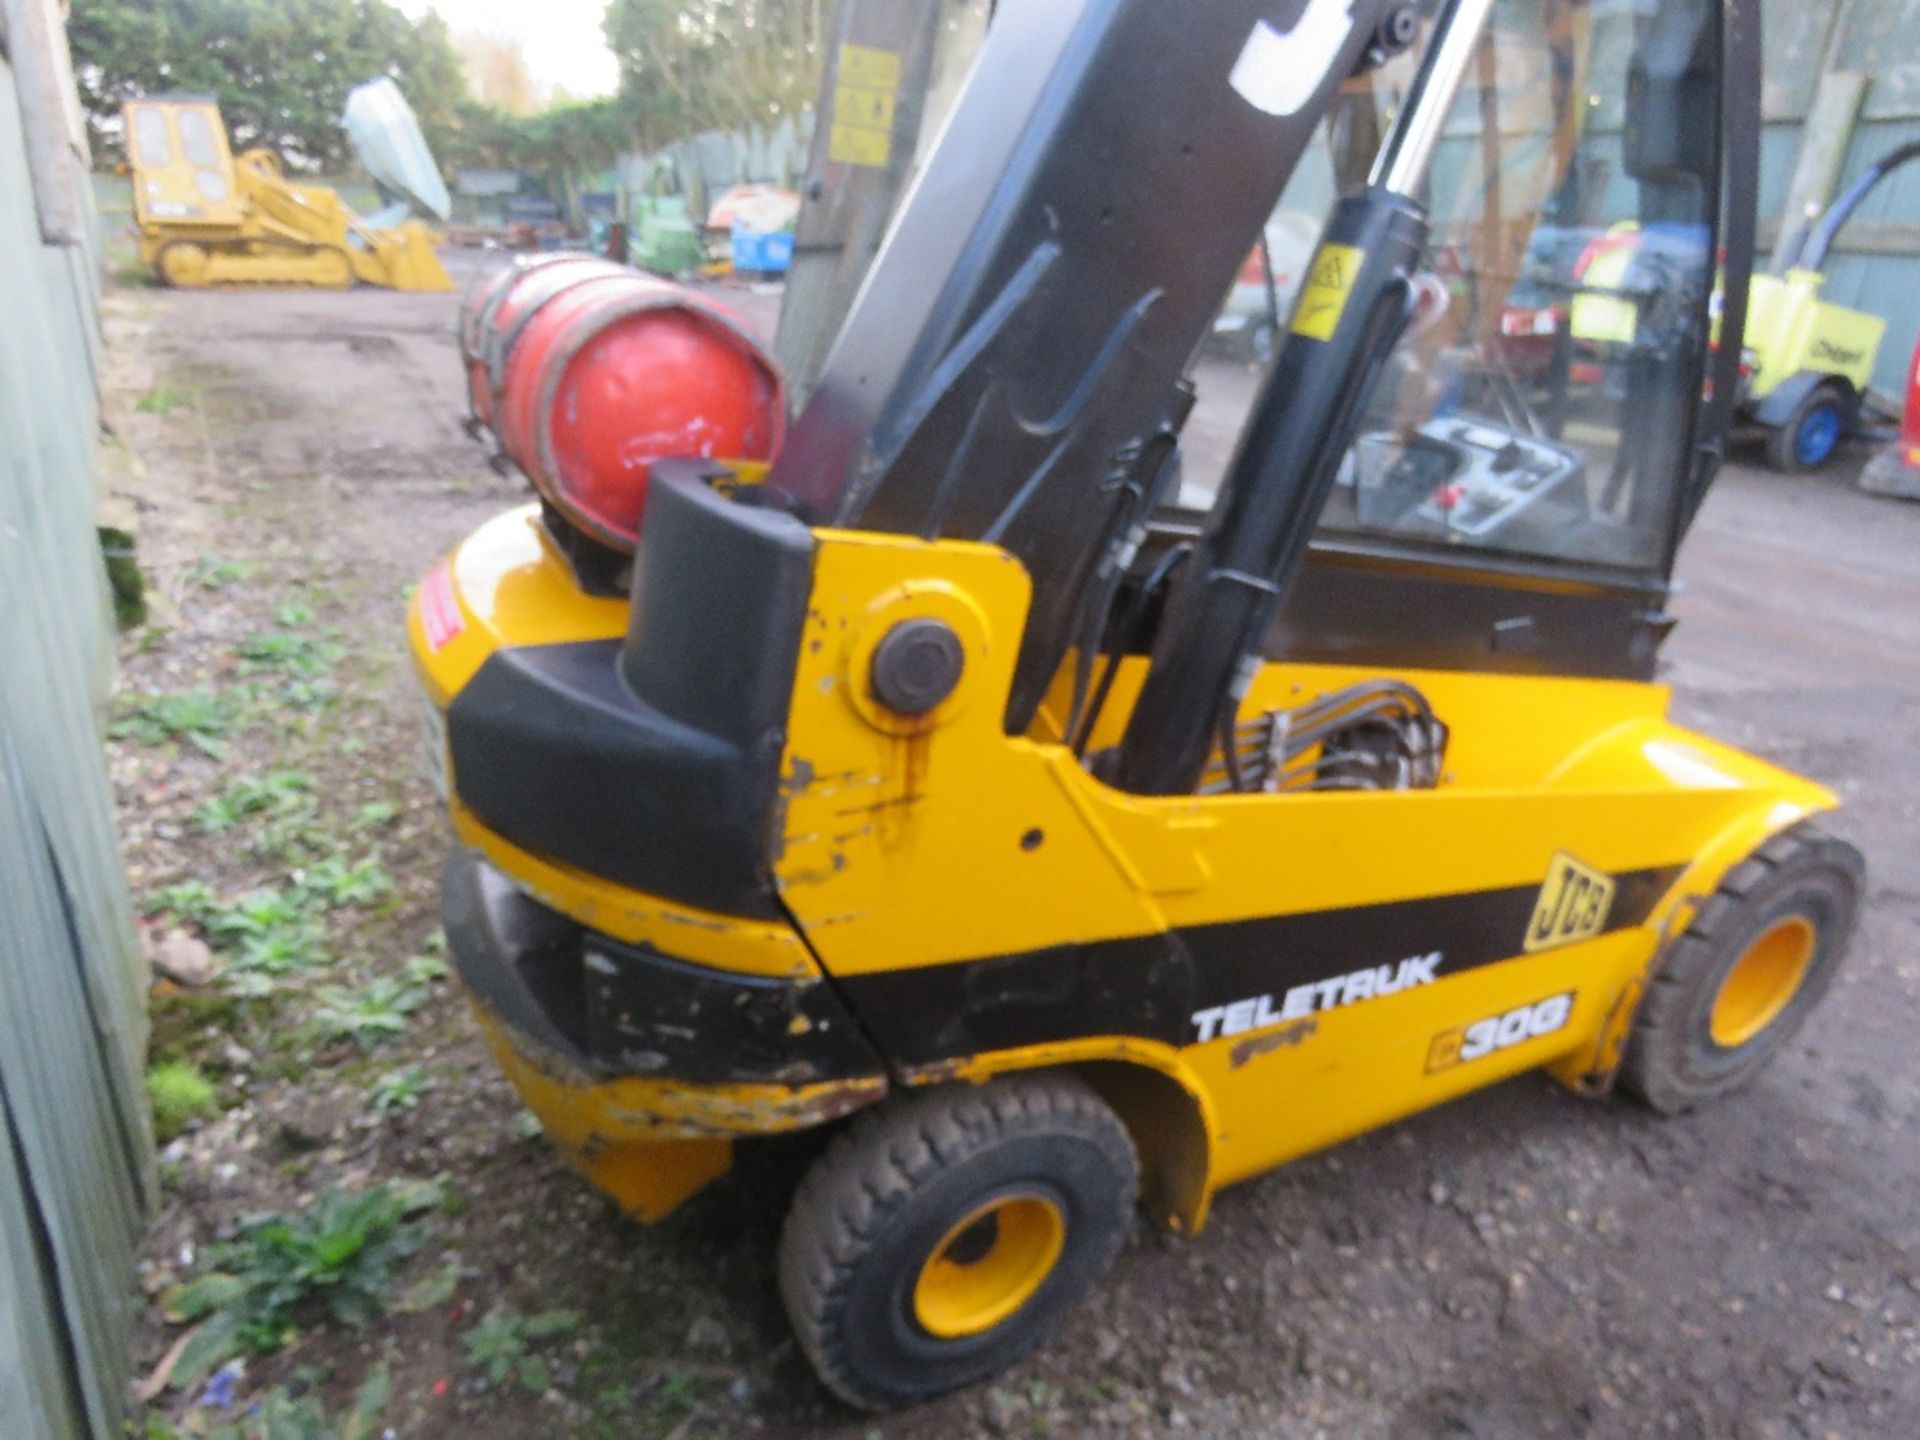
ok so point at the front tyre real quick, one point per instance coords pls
(1755, 961)
(945, 1234)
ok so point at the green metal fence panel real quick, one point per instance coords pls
(75, 1144)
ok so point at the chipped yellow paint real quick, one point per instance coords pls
(650, 1143)
(910, 842)
(897, 829)
(725, 942)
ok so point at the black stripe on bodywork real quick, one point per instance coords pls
(654, 762)
(1150, 986)
(611, 1009)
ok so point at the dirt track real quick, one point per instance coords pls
(1520, 1264)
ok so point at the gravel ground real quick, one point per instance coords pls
(1519, 1264)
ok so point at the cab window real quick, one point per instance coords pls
(1542, 401)
(196, 139)
(153, 147)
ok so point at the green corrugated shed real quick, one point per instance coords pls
(75, 1147)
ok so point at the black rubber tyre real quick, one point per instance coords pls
(1821, 407)
(1673, 1060)
(874, 1210)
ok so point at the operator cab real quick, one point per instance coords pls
(1522, 471)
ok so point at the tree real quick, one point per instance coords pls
(692, 65)
(497, 73)
(280, 69)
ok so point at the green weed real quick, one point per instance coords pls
(310, 695)
(190, 900)
(266, 933)
(334, 1260)
(198, 716)
(162, 400)
(258, 915)
(335, 881)
(213, 572)
(504, 1346)
(180, 1094)
(401, 1089)
(367, 1017)
(283, 1414)
(265, 960)
(277, 792)
(288, 652)
(425, 969)
(375, 815)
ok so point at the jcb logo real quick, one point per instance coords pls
(1573, 904)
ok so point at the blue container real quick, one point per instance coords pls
(769, 253)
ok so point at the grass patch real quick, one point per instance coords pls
(185, 1020)
(163, 400)
(180, 1094)
(212, 572)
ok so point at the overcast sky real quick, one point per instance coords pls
(560, 38)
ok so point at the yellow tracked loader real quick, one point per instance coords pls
(205, 216)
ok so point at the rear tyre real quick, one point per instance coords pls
(1749, 969)
(1811, 434)
(944, 1235)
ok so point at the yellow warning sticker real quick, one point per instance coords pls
(1324, 295)
(865, 91)
(869, 67)
(856, 105)
(857, 145)
(1574, 904)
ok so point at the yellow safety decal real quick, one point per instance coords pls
(1324, 296)
(1573, 905)
(865, 91)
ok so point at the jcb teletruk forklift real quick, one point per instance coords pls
(950, 785)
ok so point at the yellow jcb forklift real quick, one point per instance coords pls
(950, 789)
(204, 216)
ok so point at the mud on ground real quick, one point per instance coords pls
(1519, 1264)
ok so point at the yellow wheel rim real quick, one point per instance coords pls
(1762, 982)
(988, 1265)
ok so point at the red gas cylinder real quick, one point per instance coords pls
(623, 370)
(501, 307)
(477, 305)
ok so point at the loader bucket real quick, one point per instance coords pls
(403, 258)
